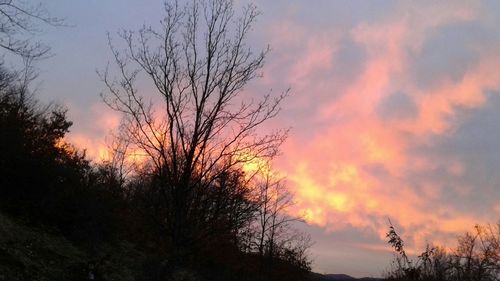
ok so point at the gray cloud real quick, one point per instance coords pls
(397, 106)
(449, 52)
(474, 142)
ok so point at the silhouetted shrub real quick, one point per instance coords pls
(44, 179)
(476, 258)
(34, 162)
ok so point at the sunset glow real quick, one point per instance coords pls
(394, 113)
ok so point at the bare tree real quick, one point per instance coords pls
(199, 126)
(19, 23)
(274, 237)
(476, 257)
(273, 221)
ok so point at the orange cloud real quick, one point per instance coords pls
(90, 136)
(354, 171)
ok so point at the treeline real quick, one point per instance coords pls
(475, 258)
(234, 228)
(188, 206)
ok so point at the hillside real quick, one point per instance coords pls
(28, 253)
(339, 277)
(31, 253)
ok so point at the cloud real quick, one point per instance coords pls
(367, 157)
(397, 106)
(394, 113)
(93, 127)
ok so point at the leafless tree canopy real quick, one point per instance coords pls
(274, 236)
(19, 23)
(198, 63)
(198, 126)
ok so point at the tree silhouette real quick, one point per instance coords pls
(199, 128)
(36, 163)
(476, 258)
(18, 22)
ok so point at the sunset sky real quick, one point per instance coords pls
(394, 112)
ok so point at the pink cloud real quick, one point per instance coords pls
(330, 173)
(91, 134)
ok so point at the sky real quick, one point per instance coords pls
(394, 112)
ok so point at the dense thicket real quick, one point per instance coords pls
(188, 207)
(43, 179)
(49, 183)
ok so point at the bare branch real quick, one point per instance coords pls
(18, 24)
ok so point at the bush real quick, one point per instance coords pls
(43, 179)
(476, 258)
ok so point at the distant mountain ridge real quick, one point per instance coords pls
(339, 277)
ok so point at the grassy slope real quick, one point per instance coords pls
(28, 253)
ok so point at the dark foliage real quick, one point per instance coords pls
(476, 258)
(43, 179)
(48, 183)
(189, 211)
(33, 162)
